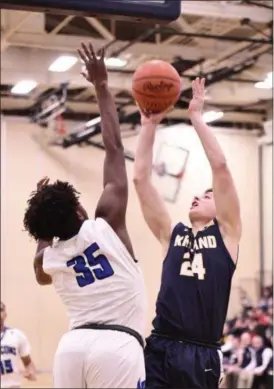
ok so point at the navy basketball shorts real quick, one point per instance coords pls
(174, 364)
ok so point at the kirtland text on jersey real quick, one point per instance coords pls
(208, 242)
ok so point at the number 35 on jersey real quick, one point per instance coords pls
(90, 266)
(194, 268)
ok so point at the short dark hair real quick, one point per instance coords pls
(52, 212)
(3, 307)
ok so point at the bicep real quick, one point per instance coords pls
(41, 277)
(227, 202)
(154, 211)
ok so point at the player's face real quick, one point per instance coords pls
(3, 313)
(203, 208)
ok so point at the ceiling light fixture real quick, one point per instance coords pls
(23, 87)
(63, 63)
(113, 62)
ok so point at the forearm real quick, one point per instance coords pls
(209, 142)
(110, 122)
(144, 153)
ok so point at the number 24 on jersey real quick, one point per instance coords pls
(196, 267)
(91, 266)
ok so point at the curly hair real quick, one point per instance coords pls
(52, 212)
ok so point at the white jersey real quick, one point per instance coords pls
(97, 279)
(14, 345)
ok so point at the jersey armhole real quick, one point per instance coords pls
(102, 222)
(167, 248)
(234, 264)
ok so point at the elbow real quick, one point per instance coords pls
(43, 282)
(42, 278)
(140, 179)
(220, 165)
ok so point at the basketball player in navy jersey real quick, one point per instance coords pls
(91, 264)
(183, 350)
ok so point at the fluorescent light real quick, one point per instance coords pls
(93, 122)
(63, 63)
(211, 116)
(263, 85)
(23, 87)
(267, 83)
(113, 62)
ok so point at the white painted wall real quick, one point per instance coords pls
(268, 211)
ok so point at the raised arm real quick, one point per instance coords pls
(224, 191)
(153, 207)
(112, 204)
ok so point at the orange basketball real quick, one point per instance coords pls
(156, 86)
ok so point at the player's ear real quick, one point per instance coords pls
(81, 212)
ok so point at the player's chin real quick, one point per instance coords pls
(194, 209)
(193, 212)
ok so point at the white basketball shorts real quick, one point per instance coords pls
(87, 358)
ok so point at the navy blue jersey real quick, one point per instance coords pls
(196, 281)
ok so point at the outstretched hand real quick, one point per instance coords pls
(198, 96)
(95, 68)
(152, 118)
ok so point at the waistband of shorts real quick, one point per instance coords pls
(113, 327)
(181, 339)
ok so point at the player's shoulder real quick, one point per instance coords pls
(15, 332)
(93, 224)
(179, 227)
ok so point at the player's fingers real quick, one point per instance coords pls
(92, 52)
(142, 112)
(86, 51)
(194, 87)
(102, 54)
(166, 111)
(198, 84)
(82, 56)
(202, 85)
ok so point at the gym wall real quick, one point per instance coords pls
(267, 162)
(37, 310)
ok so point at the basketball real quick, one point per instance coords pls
(156, 86)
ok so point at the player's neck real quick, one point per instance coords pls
(2, 327)
(199, 225)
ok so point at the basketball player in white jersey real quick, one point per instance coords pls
(15, 348)
(91, 264)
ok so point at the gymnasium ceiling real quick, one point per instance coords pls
(230, 42)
